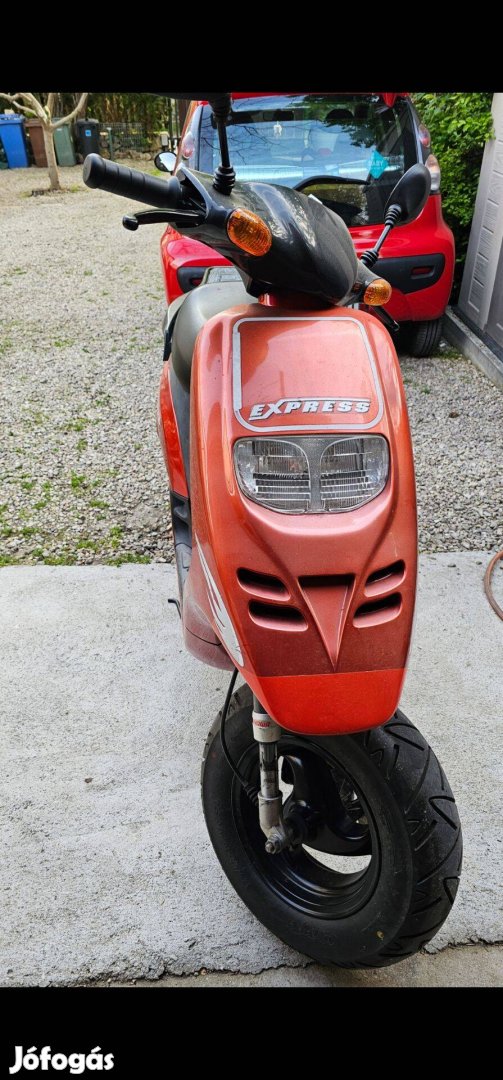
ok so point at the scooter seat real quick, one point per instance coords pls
(198, 306)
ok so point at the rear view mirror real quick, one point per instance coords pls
(410, 194)
(165, 161)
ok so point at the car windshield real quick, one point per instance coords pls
(288, 139)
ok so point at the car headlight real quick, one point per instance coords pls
(312, 475)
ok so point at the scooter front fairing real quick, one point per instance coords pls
(315, 609)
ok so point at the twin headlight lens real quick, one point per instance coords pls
(312, 475)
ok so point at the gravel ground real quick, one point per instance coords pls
(81, 473)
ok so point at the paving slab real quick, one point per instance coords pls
(107, 869)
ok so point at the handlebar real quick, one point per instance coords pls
(119, 180)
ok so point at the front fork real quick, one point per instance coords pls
(267, 733)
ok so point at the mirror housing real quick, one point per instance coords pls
(409, 195)
(165, 160)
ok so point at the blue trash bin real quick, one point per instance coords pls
(12, 136)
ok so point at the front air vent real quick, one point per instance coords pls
(378, 611)
(264, 585)
(386, 579)
(276, 618)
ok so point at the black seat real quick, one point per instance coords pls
(197, 307)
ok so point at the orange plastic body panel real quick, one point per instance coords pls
(337, 665)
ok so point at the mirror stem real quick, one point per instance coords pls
(370, 257)
(225, 177)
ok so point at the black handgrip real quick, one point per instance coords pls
(119, 180)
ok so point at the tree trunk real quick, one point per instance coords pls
(51, 159)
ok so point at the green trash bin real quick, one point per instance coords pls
(65, 154)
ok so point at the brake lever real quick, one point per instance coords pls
(153, 217)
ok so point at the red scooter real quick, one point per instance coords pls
(284, 428)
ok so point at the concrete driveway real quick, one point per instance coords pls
(107, 870)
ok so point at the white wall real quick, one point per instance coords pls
(486, 238)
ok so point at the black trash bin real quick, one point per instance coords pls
(87, 134)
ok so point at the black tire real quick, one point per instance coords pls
(423, 338)
(371, 918)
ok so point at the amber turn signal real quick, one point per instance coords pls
(248, 232)
(378, 292)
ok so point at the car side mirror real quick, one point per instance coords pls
(165, 160)
(410, 194)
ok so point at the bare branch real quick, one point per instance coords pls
(21, 108)
(31, 106)
(50, 104)
(78, 108)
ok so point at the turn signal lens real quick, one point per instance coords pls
(248, 232)
(378, 292)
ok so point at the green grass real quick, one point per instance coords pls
(450, 354)
(77, 425)
(7, 531)
(35, 418)
(115, 535)
(63, 343)
(77, 481)
(67, 559)
(41, 504)
(128, 557)
(81, 445)
(28, 530)
(85, 544)
(99, 504)
(28, 485)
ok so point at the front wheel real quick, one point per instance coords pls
(378, 872)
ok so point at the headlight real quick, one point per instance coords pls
(312, 475)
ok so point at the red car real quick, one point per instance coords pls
(348, 150)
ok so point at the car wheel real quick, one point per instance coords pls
(422, 338)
